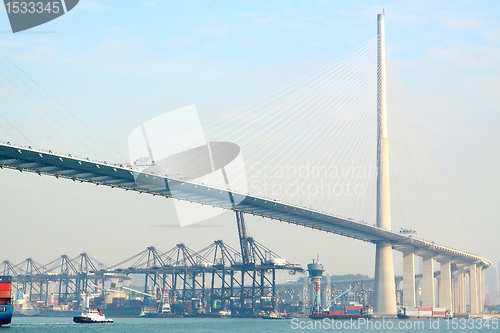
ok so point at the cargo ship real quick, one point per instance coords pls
(6, 307)
(340, 311)
(121, 307)
(424, 313)
(344, 312)
(124, 312)
(48, 312)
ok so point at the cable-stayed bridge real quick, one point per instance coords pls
(41, 162)
(454, 263)
(61, 166)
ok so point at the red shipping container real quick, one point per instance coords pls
(5, 286)
(425, 309)
(353, 307)
(336, 312)
(4, 301)
(5, 294)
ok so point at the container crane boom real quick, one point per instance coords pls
(137, 291)
(327, 304)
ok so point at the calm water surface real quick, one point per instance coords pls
(50, 324)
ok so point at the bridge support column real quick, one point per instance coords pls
(473, 289)
(409, 279)
(417, 292)
(456, 292)
(385, 293)
(428, 283)
(463, 290)
(445, 286)
(480, 289)
(437, 284)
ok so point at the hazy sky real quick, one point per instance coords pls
(117, 64)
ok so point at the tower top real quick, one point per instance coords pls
(315, 269)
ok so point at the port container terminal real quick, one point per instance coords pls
(214, 277)
(455, 264)
(211, 279)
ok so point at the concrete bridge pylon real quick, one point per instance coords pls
(385, 295)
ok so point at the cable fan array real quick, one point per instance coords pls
(33, 117)
(312, 143)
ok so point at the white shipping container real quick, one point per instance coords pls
(411, 313)
(425, 313)
(439, 309)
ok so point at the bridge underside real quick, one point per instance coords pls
(100, 173)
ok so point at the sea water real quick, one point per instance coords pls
(244, 325)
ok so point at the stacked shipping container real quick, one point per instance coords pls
(408, 312)
(438, 312)
(5, 300)
(425, 312)
(348, 312)
(353, 310)
(5, 290)
(337, 311)
(117, 302)
(411, 312)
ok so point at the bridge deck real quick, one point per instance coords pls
(102, 173)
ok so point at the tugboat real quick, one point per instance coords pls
(274, 315)
(225, 313)
(91, 316)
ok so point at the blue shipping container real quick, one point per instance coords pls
(352, 311)
(336, 308)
